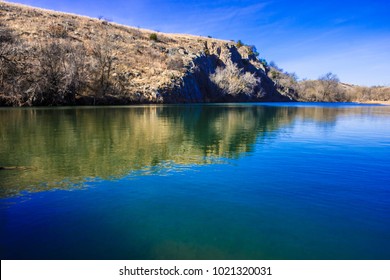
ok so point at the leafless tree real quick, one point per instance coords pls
(103, 62)
(61, 73)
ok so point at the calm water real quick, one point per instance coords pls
(250, 181)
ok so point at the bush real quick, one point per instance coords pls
(239, 44)
(57, 31)
(253, 51)
(233, 81)
(264, 62)
(153, 37)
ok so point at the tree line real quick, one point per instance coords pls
(327, 88)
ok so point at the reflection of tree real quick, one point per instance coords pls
(77, 143)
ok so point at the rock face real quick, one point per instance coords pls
(63, 59)
(197, 87)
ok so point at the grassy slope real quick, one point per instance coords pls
(142, 58)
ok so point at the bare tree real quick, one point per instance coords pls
(61, 73)
(329, 83)
(7, 50)
(14, 67)
(103, 62)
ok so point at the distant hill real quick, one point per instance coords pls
(53, 58)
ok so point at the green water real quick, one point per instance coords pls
(233, 181)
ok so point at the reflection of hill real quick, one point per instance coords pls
(74, 144)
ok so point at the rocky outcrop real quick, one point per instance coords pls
(197, 87)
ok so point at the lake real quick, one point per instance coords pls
(217, 181)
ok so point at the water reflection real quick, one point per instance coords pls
(63, 147)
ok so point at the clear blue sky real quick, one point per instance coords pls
(310, 38)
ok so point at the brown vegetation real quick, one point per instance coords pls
(234, 81)
(52, 58)
(370, 94)
(326, 88)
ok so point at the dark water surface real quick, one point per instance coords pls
(233, 181)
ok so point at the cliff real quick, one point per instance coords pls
(52, 58)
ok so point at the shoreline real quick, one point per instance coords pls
(125, 102)
(372, 102)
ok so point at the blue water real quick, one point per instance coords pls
(233, 181)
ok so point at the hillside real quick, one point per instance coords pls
(52, 58)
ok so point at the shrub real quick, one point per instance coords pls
(153, 37)
(239, 44)
(233, 81)
(57, 31)
(253, 51)
(272, 64)
(264, 62)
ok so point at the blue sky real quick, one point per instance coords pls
(310, 38)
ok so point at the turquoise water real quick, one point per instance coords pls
(232, 181)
